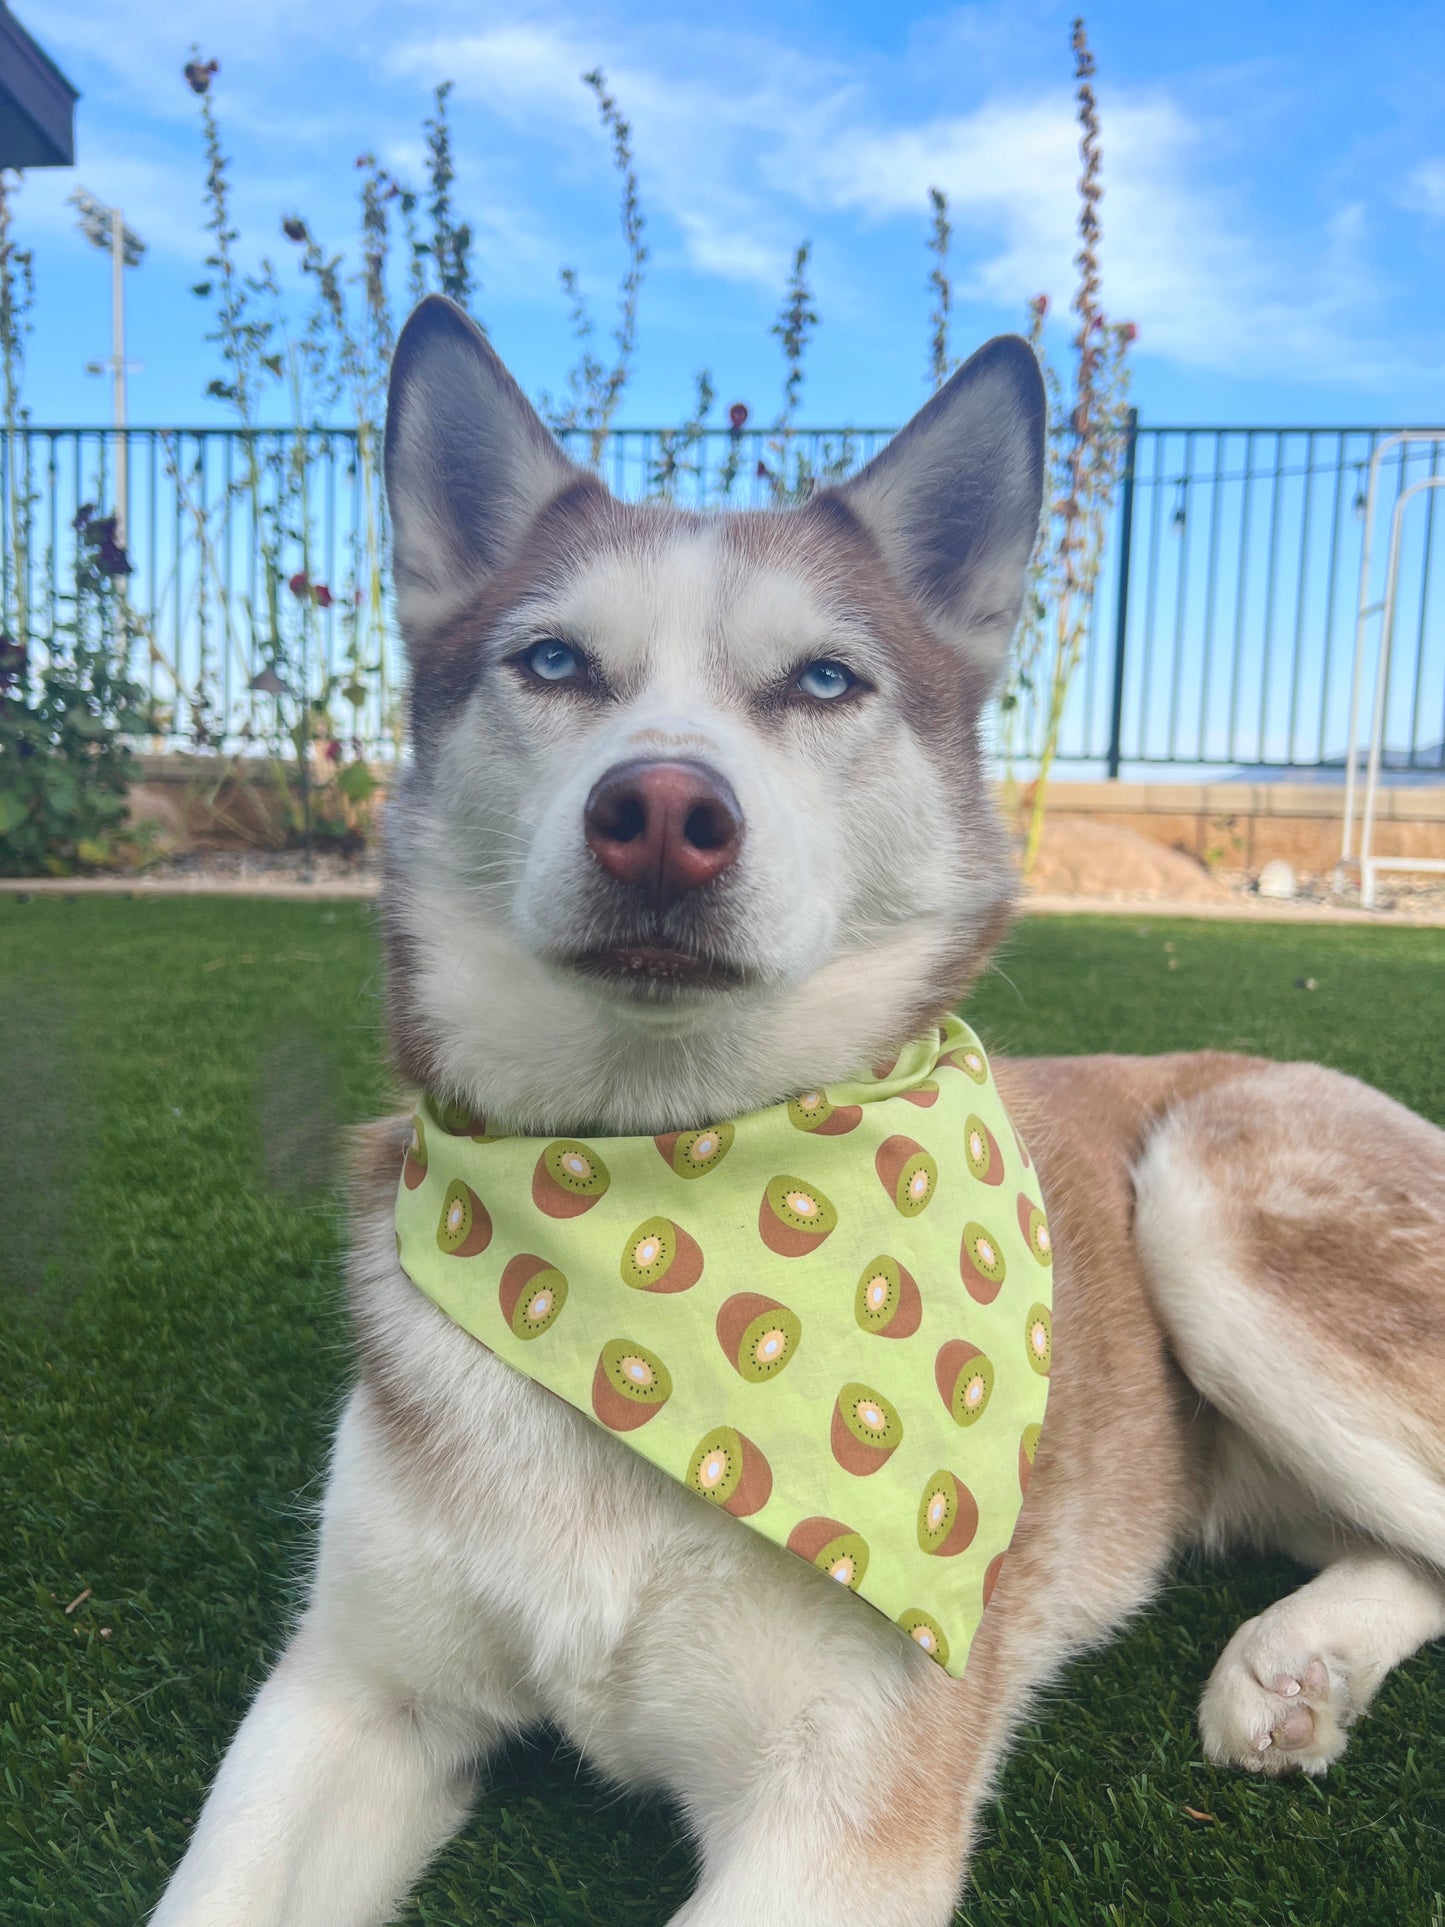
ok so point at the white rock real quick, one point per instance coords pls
(1277, 880)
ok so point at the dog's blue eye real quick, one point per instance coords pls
(826, 681)
(553, 662)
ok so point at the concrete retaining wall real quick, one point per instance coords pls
(229, 803)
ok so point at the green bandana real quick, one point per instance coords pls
(829, 1318)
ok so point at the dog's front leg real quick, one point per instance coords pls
(355, 1763)
(860, 1809)
(333, 1796)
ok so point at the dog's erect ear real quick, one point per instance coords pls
(953, 501)
(468, 463)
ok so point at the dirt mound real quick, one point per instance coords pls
(1082, 857)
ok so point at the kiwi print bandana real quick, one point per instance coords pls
(830, 1317)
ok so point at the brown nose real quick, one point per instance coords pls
(666, 827)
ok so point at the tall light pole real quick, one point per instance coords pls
(104, 227)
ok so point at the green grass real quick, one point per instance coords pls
(171, 1076)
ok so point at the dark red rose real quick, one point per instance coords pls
(300, 584)
(14, 661)
(738, 415)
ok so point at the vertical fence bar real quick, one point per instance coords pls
(1301, 587)
(1272, 558)
(1121, 595)
(7, 533)
(27, 585)
(1180, 521)
(328, 447)
(229, 695)
(1241, 591)
(152, 594)
(1211, 578)
(1413, 757)
(177, 602)
(52, 572)
(1330, 580)
(1159, 441)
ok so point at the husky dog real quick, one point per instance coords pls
(697, 819)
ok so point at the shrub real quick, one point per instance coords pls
(65, 760)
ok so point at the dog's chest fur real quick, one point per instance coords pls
(526, 1555)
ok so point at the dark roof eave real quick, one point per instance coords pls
(37, 102)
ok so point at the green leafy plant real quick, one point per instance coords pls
(1224, 844)
(68, 707)
(793, 472)
(679, 451)
(67, 714)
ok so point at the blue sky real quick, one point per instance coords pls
(1274, 215)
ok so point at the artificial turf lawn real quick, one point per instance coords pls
(173, 1355)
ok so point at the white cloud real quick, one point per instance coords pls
(705, 112)
(1176, 252)
(1424, 189)
(517, 70)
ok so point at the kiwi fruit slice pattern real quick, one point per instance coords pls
(907, 1173)
(1035, 1227)
(630, 1385)
(729, 1471)
(692, 1154)
(532, 1294)
(833, 1548)
(1039, 1337)
(887, 1302)
(981, 1263)
(925, 1630)
(794, 1217)
(661, 1256)
(980, 1147)
(569, 1179)
(964, 1377)
(814, 1113)
(466, 1227)
(413, 1168)
(866, 1430)
(758, 1335)
(947, 1516)
(1028, 1447)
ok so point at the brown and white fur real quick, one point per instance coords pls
(1250, 1257)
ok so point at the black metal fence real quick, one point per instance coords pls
(1222, 635)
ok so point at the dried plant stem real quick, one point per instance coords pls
(451, 242)
(794, 328)
(1085, 458)
(940, 360)
(17, 297)
(596, 391)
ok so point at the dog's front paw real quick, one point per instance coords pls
(1273, 1705)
